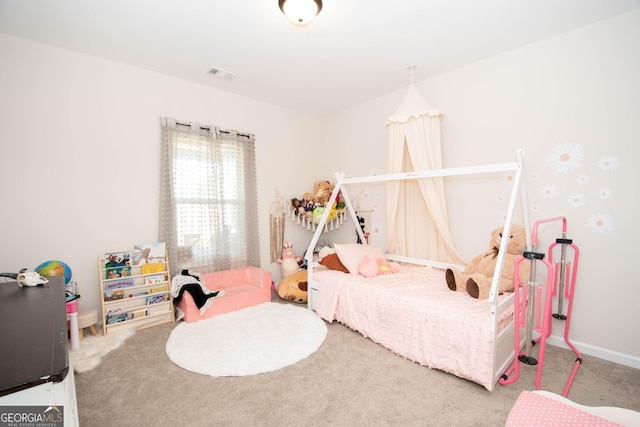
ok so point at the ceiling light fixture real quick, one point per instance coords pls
(300, 12)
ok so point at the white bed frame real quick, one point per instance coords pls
(504, 352)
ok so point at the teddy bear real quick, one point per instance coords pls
(294, 287)
(323, 190)
(478, 274)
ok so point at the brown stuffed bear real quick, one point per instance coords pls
(322, 190)
(478, 274)
(294, 287)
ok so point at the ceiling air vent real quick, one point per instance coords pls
(221, 74)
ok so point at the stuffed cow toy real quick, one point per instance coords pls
(478, 274)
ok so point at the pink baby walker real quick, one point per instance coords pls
(561, 279)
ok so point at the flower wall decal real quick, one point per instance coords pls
(607, 163)
(548, 191)
(507, 179)
(586, 189)
(600, 223)
(565, 157)
(604, 193)
(576, 200)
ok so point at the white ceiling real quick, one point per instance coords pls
(354, 51)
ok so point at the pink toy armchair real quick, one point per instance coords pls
(243, 287)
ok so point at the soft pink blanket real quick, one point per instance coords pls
(414, 314)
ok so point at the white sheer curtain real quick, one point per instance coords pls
(417, 217)
(208, 214)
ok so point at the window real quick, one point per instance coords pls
(208, 215)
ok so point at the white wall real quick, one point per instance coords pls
(580, 88)
(79, 143)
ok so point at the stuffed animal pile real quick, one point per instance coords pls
(293, 286)
(478, 274)
(313, 204)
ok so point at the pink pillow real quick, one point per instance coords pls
(369, 267)
(351, 255)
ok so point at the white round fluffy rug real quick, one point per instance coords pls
(254, 340)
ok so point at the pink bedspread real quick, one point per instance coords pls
(414, 314)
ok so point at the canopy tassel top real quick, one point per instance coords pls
(413, 105)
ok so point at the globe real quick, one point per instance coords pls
(55, 268)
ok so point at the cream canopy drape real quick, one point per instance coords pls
(417, 219)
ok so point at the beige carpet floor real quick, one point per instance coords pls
(349, 381)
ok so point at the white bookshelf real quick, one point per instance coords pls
(137, 296)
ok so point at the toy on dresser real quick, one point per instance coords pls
(27, 278)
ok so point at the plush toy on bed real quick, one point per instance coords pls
(372, 267)
(478, 274)
(294, 287)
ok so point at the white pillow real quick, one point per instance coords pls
(326, 250)
(351, 255)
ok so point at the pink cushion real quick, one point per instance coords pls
(534, 410)
(243, 287)
(351, 255)
(369, 267)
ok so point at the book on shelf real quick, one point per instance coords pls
(157, 299)
(139, 314)
(155, 279)
(116, 272)
(149, 253)
(116, 315)
(118, 284)
(113, 295)
(138, 294)
(159, 288)
(156, 267)
(117, 259)
(156, 309)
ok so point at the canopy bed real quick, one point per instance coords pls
(412, 312)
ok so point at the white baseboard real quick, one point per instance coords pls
(611, 356)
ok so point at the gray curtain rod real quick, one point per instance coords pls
(227, 132)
